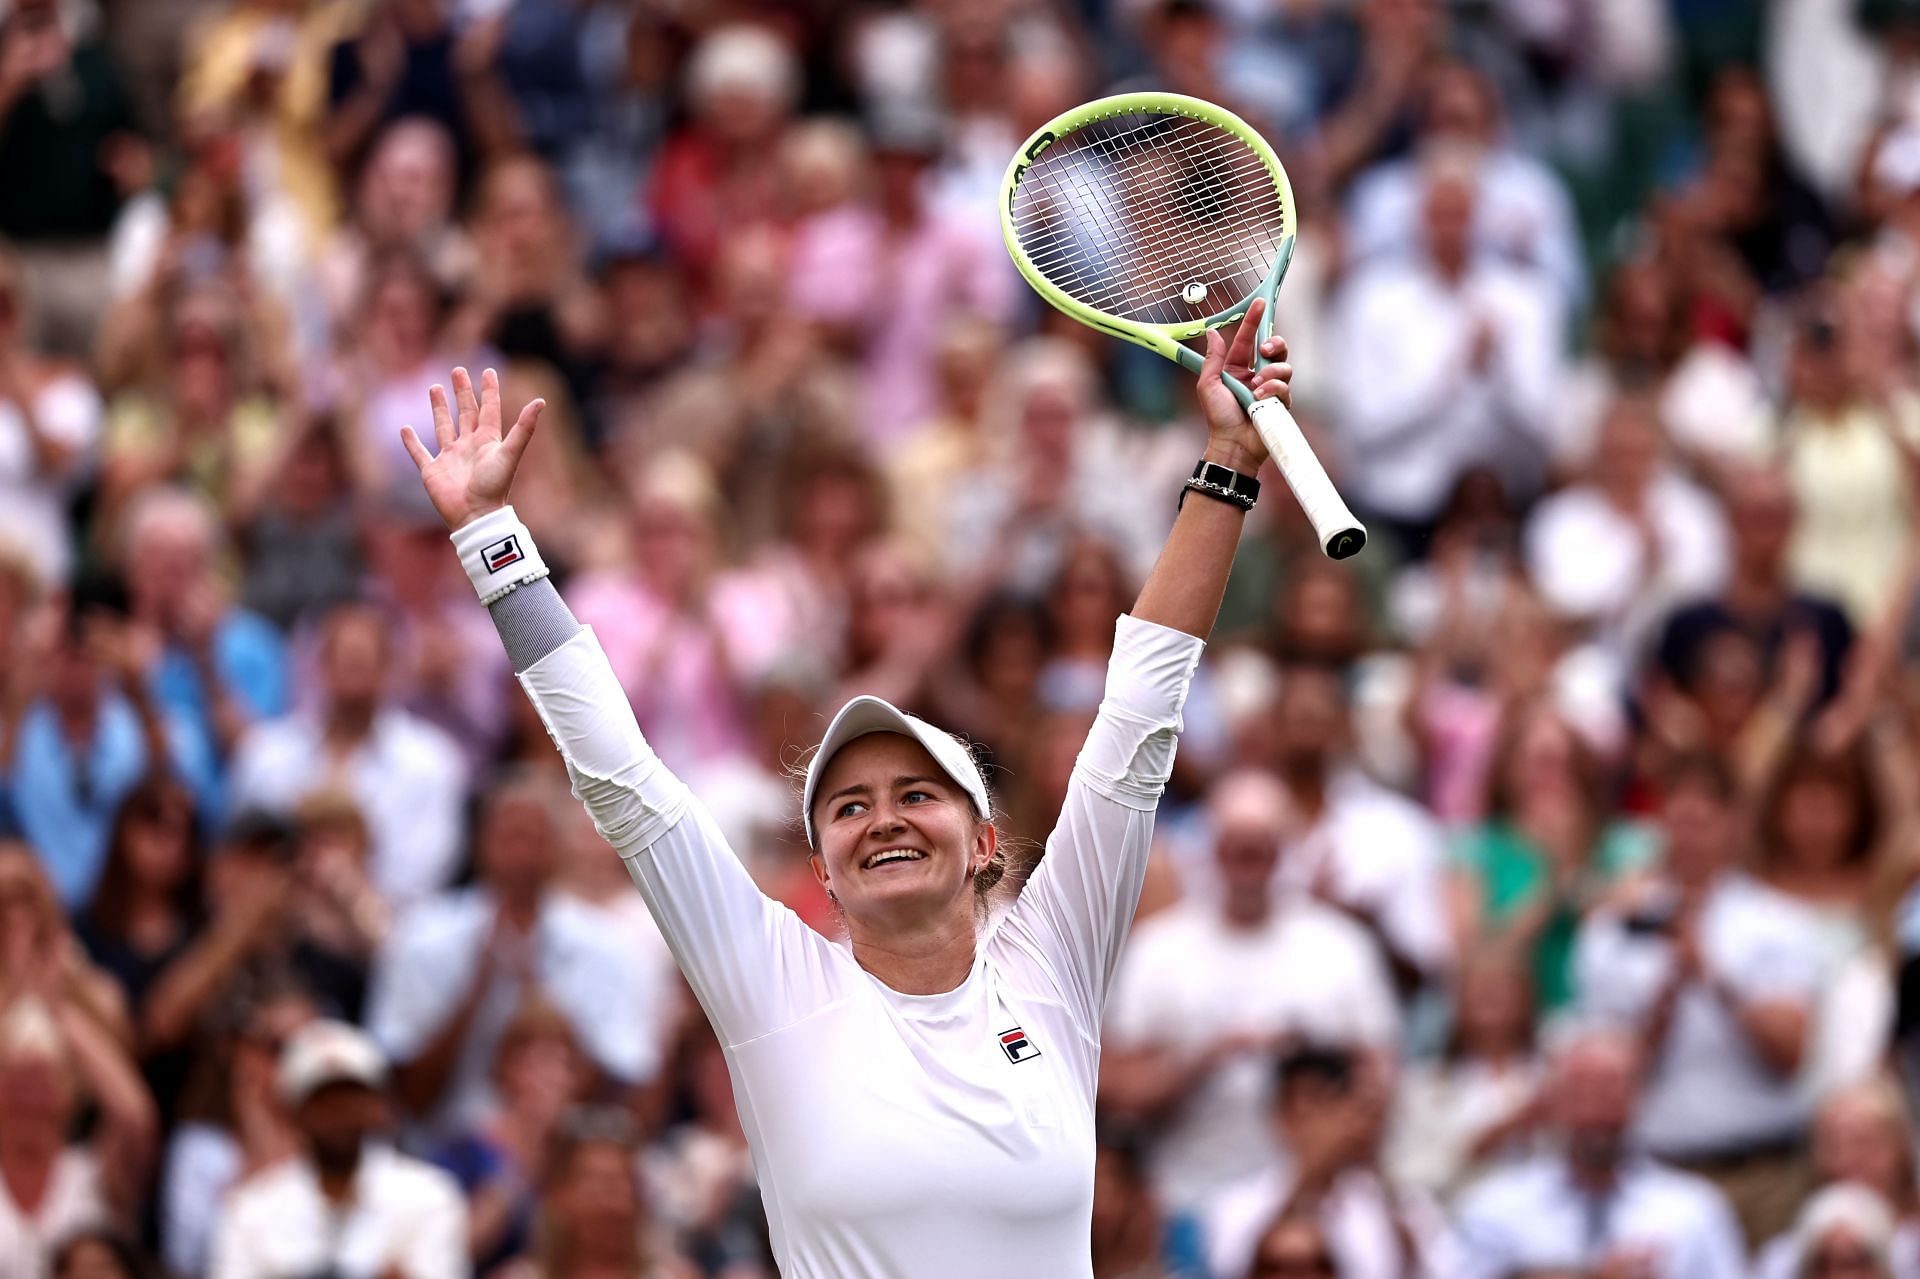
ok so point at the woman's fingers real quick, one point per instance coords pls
(490, 398)
(1240, 350)
(415, 449)
(464, 397)
(1274, 381)
(516, 440)
(444, 431)
(1216, 361)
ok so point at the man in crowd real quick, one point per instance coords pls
(1210, 991)
(347, 1205)
(457, 966)
(1594, 1205)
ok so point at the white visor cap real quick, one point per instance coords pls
(865, 715)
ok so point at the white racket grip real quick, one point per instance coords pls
(1340, 534)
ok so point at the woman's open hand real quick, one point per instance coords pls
(474, 468)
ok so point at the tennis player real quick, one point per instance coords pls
(919, 1103)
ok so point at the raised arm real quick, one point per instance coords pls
(1072, 916)
(753, 964)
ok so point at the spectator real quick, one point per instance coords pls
(289, 906)
(711, 177)
(49, 429)
(1131, 1237)
(37, 945)
(346, 1204)
(220, 669)
(54, 1054)
(1524, 878)
(917, 268)
(408, 60)
(1477, 1107)
(1718, 974)
(406, 776)
(532, 301)
(233, 1123)
(594, 1214)
(702, 1170)
(1202, 1007)
(1620, 550)
(208, 419)
(91, 734)
(539, 1075)
(1329, 1110)
(1521, 210)
(512, 931)
(1757, 604)
(1844, 1230)
(1356, 845)
(1860, 1141)
(404, 203)
(68, 156)
(1843, 437)
(298, 530)
(1596, 1202)
(1470, 384)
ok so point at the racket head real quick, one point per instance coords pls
(1114, 210)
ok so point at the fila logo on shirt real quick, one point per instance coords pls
(1018, 1048)
(502, 553)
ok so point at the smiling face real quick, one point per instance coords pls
(899, 842)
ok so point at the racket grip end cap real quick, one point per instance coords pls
(1346, 544)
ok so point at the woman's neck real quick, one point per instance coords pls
(921, 962)
(153, 922)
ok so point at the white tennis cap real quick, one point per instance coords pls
(329, 1052)
(865, 715)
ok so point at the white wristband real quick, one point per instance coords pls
(498, 554)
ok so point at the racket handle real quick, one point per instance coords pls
(1340, 534)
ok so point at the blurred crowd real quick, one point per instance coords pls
(1535, 894)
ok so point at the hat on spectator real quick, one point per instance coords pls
(745, 59)
(864, 715)
(329, 1052)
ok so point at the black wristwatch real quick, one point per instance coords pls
(1221, 483)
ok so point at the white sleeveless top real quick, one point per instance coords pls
(73, 1202)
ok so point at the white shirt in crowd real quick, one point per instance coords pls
(935, 1136)
(71, 1202)
(404, 1217)
(1376, 849)
(1442, 1109)
(1590, 562)
(1535, 1217)
(1522, 214)
(613, 999)
(203, 1161)
(1708, 1091)
(1368, 1227)
(408, 779)
(1413, 414)
(1781, 1256)
(32, 501)
(1189, 979)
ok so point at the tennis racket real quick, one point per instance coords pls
(1155, 217)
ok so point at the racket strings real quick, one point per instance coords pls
(1125, 214)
